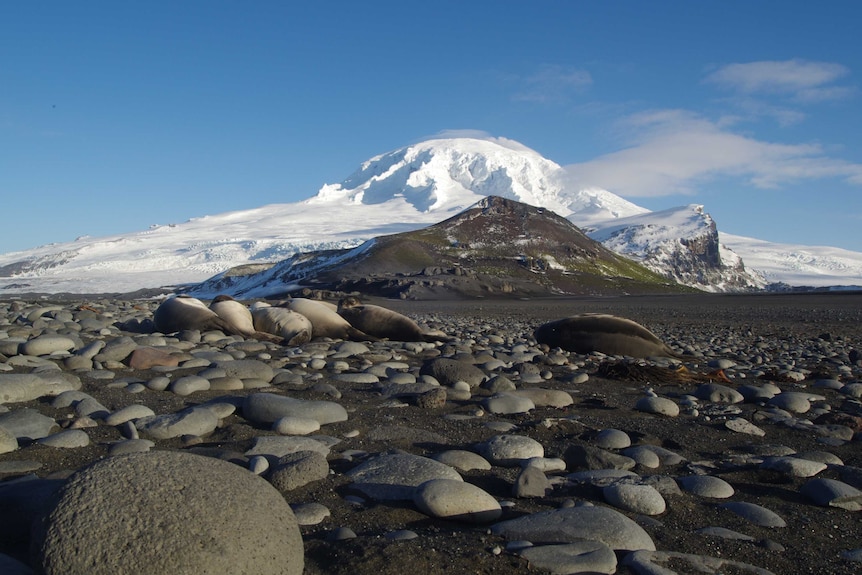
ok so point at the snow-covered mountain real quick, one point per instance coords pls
(402, 190)
(680, 242)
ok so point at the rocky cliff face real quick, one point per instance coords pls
(683, 245)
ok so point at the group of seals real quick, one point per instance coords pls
(296, 320)
(293, 321)
(605, 333)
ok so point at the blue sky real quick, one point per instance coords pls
(118, 115)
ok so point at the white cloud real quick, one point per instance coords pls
(671, 151)
(801, 79)
(553, 83)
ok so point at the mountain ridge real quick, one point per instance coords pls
(435, 179)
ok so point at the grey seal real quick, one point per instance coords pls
(294, 327)
(185, 312)
(605, 333)
(385, 323)
(239, 316)
(325, 320)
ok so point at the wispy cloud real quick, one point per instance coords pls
(672, 151)
(802, 80)
(552, 83)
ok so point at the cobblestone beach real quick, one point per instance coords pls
(201, 452)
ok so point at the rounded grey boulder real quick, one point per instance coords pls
(172, 512)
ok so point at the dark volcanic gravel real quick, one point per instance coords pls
(792, 346)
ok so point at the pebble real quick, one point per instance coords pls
(754, 513)
(576, 523)
(658, 406)
(396, 476)
(509, 450)
(456, 500)
(643, 499)
(577, 557)
(706, 486)
(523, 424)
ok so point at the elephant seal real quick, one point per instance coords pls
(325, 320)
(239, 316)
(185, 312)
(294, 327)
(385, 323)
(605, 333)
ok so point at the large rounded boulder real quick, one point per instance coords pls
(168, 512)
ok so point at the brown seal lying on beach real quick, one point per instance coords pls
(239, 316)
(325, 320)
(384, 323)
(185, 312)
(605, 333)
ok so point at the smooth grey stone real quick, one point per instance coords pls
(292, 425)
(269, 407)
(449, 371)
(90, 350)
(19, 387)
(833, 493)
(643, 456)
(600, 476)
(128, 413)
(350, 349)
(68, 439)
(740, 425)
(569, 524)
(198, 421)
(89, 407)
(47, 345)
(401, 535)
(724, 533)
(706, 486)
(755, 513)
(27, 424)
(658, 406)
(666, 456)
(498, 384)
(576, 557)
(189, 384)
(310, 513)
(456, 500)
(117, 349)
(653, 563)
(256, 533)
(395, 476)
(297, 469)
(792, 402)
(462, 460)
(589, 457)
(277, 446)
(531, 482)
(793, 466)
(341, 534)
(246, 369)
(717, 393)
(853, 390)
(507, 403)
(755, 393)
(509, 450)
(545, 397)
(356, 377)
(643, 499)
(612, 439)
(131, 446)
(8, 441)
